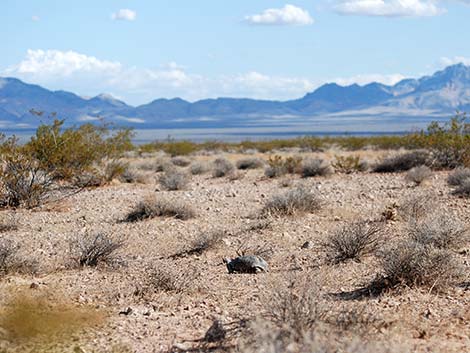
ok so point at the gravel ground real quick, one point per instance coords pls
(145, 319)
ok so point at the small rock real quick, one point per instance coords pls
(126, 311)
(307, 245)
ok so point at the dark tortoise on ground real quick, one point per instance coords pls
(246, 264)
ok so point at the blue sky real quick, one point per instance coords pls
(139, 50)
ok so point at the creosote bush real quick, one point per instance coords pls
(293, 201)
(22, 182)
(349, 164)
(174, 180)
(93, 249)
(279, 166)
(222, 167)
(418, 175)
(250, 163)
(352, 242)
(403, 162)
(160, 208)
(315, 167)
(65, 153)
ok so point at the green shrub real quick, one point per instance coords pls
(349, 164)
(278, 166)
(65, 153)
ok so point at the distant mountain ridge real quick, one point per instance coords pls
(442, 93)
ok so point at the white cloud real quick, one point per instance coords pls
(35, 18)
(288, 15)
(124, 15)
(60, 63)
(390, 8)
(365, 79)
(445, 61)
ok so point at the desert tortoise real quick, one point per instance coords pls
(246, 264)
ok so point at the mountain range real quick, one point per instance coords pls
(438, 95)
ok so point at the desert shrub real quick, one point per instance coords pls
(165, 278)
(352, 241)
(441, 231)
(113, 169)
(198, 168)
(22, 182)
(174, 180)
(463, 189)
(449, 142)
(207, 241)
(222, 167)
(415, 264)
(403, 162)
(416, 207)
(349, 164)
(8, 251)
(297, 308)
(250, 163)
(315, 167)
(279, 166)
(8, 223)
(418, 175)
(180, 161)
(458, 176)
(10, 261)
(131, 175)
(65, 153)
(93, 249)
(160, 208)
(296, 200)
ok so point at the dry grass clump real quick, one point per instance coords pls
(222, 167)
(173, 180)
(94, 249)
(293, 201)
(441, 231)
(403, 162)
(198, 168)
(414, 264)
(180, 161)
(418, 175)
(315, 167)
(204, 242)
(160, 208)
(458, 176)
(162, 164)
(352, 242)
(250, 163)
(113, 169)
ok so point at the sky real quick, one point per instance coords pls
(141, 50)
